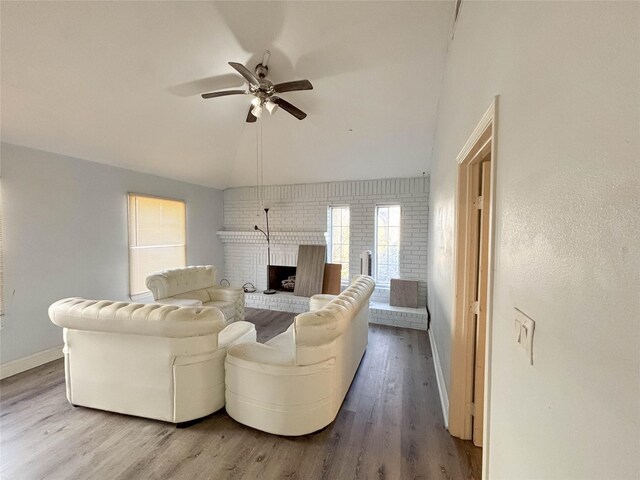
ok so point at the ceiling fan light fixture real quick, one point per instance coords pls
(272, 107)
(264, 91)
(257, 111)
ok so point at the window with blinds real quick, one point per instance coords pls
(157, 238)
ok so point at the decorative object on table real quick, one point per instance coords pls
(268, 291)
(289, 284)
(264, 92)
(332, 278)
(225, 282)
(365, 263)
(249, 288)
(310, 270)
(404, 293)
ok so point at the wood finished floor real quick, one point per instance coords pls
(390, 427)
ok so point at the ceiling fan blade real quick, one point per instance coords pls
(223, 93)
(209, 84)
(246, 73)
(251, 118)
(293, 110)
(293, 86)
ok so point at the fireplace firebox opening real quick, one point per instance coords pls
(279, 274)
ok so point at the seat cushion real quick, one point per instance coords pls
(228, 309)
(200, 294)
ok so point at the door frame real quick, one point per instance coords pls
(484, 137)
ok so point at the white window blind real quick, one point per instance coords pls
(157, 238)
(387, 243)
(339, 239)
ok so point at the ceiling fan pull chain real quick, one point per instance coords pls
(261, 166)
(257, 173)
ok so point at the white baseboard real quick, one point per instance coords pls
(442, 388)
(20, 365)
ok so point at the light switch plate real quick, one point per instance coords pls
(524, 329)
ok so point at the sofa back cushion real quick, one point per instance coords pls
(318, 334)
(178, 281)
(136, 318)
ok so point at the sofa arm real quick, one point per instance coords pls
(157, 283)
(319, 301)
(235, 333)
(180, 302)
(279, 397)
(229, 294)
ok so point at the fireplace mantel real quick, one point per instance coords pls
(277, 238)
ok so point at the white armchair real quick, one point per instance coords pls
(156, 361)
(295, 383)
(196, 286)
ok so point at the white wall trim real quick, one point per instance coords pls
(20, 365)
(442, 388)
(480, 129)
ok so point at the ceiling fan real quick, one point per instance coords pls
(265, 93)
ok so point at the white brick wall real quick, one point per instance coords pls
(245, 253)
(302, 210)
(281, 302)
(398, 316)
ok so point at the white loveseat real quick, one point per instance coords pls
(196, 286)
(156, 361)
(295, 383)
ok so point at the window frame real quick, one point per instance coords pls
(380, 283)
(146, 293)
(330, 209)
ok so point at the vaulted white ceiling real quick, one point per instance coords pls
(119, 83)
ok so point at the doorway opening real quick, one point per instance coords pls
(468, 410)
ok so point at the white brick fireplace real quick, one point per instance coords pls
(245, 253)
(298, 216)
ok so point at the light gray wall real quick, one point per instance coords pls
(567, 228)
(65, 234)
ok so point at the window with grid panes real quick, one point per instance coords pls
(338, 250)
(387, 256)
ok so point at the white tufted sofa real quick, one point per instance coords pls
(156, 361)
(296, 382)
(196, 286)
